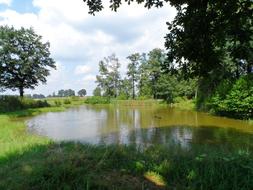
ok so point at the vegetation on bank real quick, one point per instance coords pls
(97, 100)
(234, 98)
(74, 166)
(14, 103)
(19, 104)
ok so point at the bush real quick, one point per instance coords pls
(57, 103)
(97, 100)
(144, 98)
(122, 96)
(67, 101)
(74, 98)
(237, 102)
(14, 103)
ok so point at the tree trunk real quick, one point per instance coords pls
(133, 90)
(21, 91)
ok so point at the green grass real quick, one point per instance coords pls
(150, 102)
(66, 101)
(184, 104)
(76, 166)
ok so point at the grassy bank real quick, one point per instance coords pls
(76, 166)
(184, 103)
(150, 102)
(114, 101)
(13, 136)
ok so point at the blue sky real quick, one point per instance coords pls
(79, 41)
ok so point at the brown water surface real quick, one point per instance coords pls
(143, 125)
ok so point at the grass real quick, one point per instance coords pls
(184, 104)
(66, 101)
(150, 102)
(77, 166)
(32, 162)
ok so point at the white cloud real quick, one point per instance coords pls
(82, 69)
(6, 2)
(77, 37)
(89, 78)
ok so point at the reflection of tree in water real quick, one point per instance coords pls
(226, 137)
(121, 123)
(142, 126)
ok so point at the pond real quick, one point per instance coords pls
(142, 126)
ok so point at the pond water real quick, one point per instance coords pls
(143, 125)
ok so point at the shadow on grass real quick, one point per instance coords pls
(72, 166)
(32, 112)
(76, 166)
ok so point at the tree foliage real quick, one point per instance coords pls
(65, 93)
(234, 99)
(97, 91)
(82, 92)
(144, 79)
(109, 77)
(24, 59)
(133, 71)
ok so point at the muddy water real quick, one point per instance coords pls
(143, 125)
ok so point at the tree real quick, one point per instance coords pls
(61, 93)
(125, 89)
(38, 96)
(144, 82)
(109, 77)
(82, 92)
(24, 59)
(69, 93)
(97, 5)
(133, 71)
(156, 59)
(66, 93)
(97, 91)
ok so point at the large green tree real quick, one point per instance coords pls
(156, 59)
(133, 71)
(109, 76)
(97, 91)
(82, 92)
(24, 59)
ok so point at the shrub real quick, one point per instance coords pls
(14, 103)
(74, 98)
(57, 103)
(122, 96)
(97, 100)
(238, 102)
(67, 101)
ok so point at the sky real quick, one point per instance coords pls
(79, 40)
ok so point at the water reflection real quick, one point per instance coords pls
(142, 126)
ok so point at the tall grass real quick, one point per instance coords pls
(97, 100)
(150, 102)
(77, 166)
(14, 103)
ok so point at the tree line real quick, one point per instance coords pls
(68, 93)
(143, 79)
